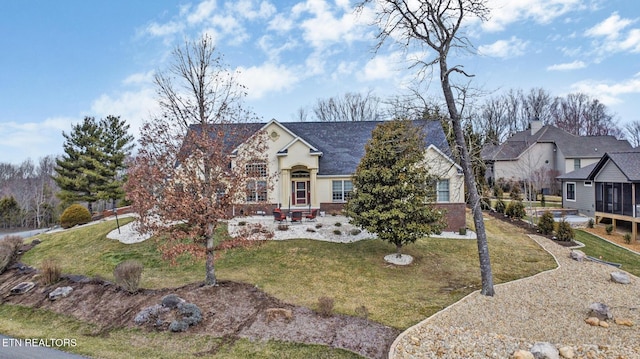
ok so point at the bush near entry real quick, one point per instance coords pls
(546, 223)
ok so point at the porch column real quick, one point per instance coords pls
(313, 172)
(634, 224)
(285, 188)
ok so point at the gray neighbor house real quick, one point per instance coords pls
(608, 189)
(542, 153)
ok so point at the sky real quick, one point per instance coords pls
(63, 60)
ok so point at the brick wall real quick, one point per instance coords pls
(455, 216)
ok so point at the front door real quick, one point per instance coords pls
(300, 193)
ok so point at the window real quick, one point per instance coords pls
(257, 169)
(256, 191)
(442, 189)
(342, 190)
(576, 164)
(571, 191)
(588, 183)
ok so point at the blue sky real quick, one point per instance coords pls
(63, 60)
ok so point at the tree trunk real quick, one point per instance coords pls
(210, 276)
(470, 182)
(398, 248)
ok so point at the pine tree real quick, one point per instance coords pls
(393, 187)
(116, 143)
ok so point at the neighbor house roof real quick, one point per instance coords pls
(571, 146)
(340, 144)
(628, 162)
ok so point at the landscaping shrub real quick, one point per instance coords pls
(128, 275)
(337, 232)
(51, 271)
(565, 232)
(6, 255)
(627, 238)
(546, 223)
(242, 223)
(516, 193)
(498, 192)
(318, 225)
(609, 228)
(500, 206)
(338, 224)
(283, 227)
(15, 242)
(591, 223)
(542, 201)
(74, 215)
(515, 210)
(462, 231)
(325, 306)
(355, 232)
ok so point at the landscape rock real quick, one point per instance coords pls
(567, 352)
(522, 354)
(22, 288)
(577, 255)
(60, 292)
(172, 301)
(593, 321)
(148, 313)
(600, 311)
(544, 350)
(401, 260)
(603, 324)
(620, 277)
(624, 321)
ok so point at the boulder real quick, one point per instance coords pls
(593, 321)
(567, 352)
(399, 259)
(171, 301)
(522, 354)
(620, 277)
(60, 292)
(22, 288)
(544, 350)
(600, 311)
(603, 324)
(577, 255)
(624, 321)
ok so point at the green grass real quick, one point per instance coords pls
(301, 271)
(599, 248)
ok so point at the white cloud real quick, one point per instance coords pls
(381, 67)
(139, 78)
(202, 12)
(504, 48)
(33, 139)
(610, 27)
(324, 27)
(135, 107)
(609, 92)
(162, 30)
(246, 9)
(266, 78)
(614, 35)
(280, 23)
(506, 12)
(567, 66)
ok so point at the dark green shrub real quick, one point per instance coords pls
(500, 206)
(565, 232)
(609, 228)
(498, 192)
(515, 210)
(51, 271)
(591, 223)
(355, 232)
(546, 223)
(462, 231)
(516, 193)
(338, 224)
(627, 238)
(74, 215)
(242, 223)
(325, 306)
(542, 200)
(337, 232)
(128, 275)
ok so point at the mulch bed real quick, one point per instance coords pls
(528, 228)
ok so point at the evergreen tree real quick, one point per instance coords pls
(393, 186)
(116, 143)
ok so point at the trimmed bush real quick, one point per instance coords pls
(515, 210)
(337, 232)
(51, 271)
(128, 275)
(542, 201)
(74, 215)
(498, 192)
(609, 228)
(325, 306)
(565, 232)
(516, 193)
(500, 206)
(462, 231)
(627, 238)
(338, 224)
(355, 232)
(546, 223)
(591, 223)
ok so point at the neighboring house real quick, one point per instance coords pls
(542, 153)
(609, 188)
(310, 165)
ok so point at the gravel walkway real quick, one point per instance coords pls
(549, 307)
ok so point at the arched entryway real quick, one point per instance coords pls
(300, 186)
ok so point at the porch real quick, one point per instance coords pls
(618, 202)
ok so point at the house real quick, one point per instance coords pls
(542, 153)
(310, 165)
(609, 188)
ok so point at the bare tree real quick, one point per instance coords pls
(436, 24)
(537, 105)
(348, 107)
(633, 133)
(582, 115)
(185, 172)
(495, 121)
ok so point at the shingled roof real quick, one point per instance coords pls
(628, 162)
(570, 145)
(341, 144)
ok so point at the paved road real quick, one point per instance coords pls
(24, 234)
(22, 349)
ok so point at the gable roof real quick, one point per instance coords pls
(340, 145)
(628, 162)
(570, 145)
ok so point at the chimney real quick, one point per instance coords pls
(535, 125)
